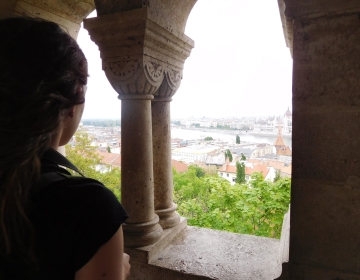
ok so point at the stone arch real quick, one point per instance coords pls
(69, 14)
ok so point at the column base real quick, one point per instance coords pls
(147, 253)
(168, 217)
(143, 234)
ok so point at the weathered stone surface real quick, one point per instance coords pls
(221, 255)
(7, 8)
(326, 231)
(326, 118)
(325, 143)
(138, 55)
(287, 25)
(306, 272)
(137, 178)
(325, 217)
(163, 184)
(142, 58)
(170, 14)
(297, 9)
(327, 61)
(67, 13)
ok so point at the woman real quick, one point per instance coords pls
(52, 225)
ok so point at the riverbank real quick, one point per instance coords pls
(224, 135)
(234, 132)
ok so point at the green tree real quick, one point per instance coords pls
(228, 155)
(85, 158)
(199, 172)
(277, 175)
(208, 138)
(212, 202)
(243, 157)
(108, 149)
(240, 173)
(237, 139)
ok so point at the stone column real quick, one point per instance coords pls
(164, 205)
(140, 59)
(325, 191)
(137, 178)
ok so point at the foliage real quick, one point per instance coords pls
(212, 202)
(228, 155)
(226, 127)
(208, 138)
(237, 139)
(277, 175)
(243, 157)
(108, 149)
(103, 123)
(199, 172)
(240, 173)
(85, 158)
(207, 201)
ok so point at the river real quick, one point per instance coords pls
(226, 135)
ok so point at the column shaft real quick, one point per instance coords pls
(164, 205)
(137, 181)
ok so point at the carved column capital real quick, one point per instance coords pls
(138, 55)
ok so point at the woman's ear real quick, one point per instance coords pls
(71, 112)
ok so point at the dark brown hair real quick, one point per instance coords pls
(41, 67)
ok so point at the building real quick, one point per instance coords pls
(323, 38)
(179, 166)
(267, 171)
(280, 146)
(228, 172)
(272, 124)
(109, 161)
(195, 153)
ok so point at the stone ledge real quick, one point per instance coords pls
(214, 254)
(146, 253)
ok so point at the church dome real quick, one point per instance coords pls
(288, 113)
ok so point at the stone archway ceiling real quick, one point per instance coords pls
(67, 13)
(170, 14)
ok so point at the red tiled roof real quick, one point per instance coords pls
(286, 170)
(231, 168)
(273, 163)
(228, 168)
(179, 166)
(257, 168)
(279, 141)
(110, 158)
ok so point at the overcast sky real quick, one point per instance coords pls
(240, 65)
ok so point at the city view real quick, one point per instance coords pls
(214, 149)
(265, 143)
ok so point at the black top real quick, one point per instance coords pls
(72, 217)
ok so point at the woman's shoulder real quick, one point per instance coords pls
(78, 211)
(80, 196)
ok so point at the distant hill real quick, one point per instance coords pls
(102, 122)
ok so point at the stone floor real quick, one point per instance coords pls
(221, 255)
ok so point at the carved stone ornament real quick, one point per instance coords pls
(171, 83)
(138, 74)
(126, 68)
(154, 71)
(174, 78)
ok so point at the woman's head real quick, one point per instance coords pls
(42, 74)
(41, 70)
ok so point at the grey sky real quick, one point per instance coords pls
(240, 65)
